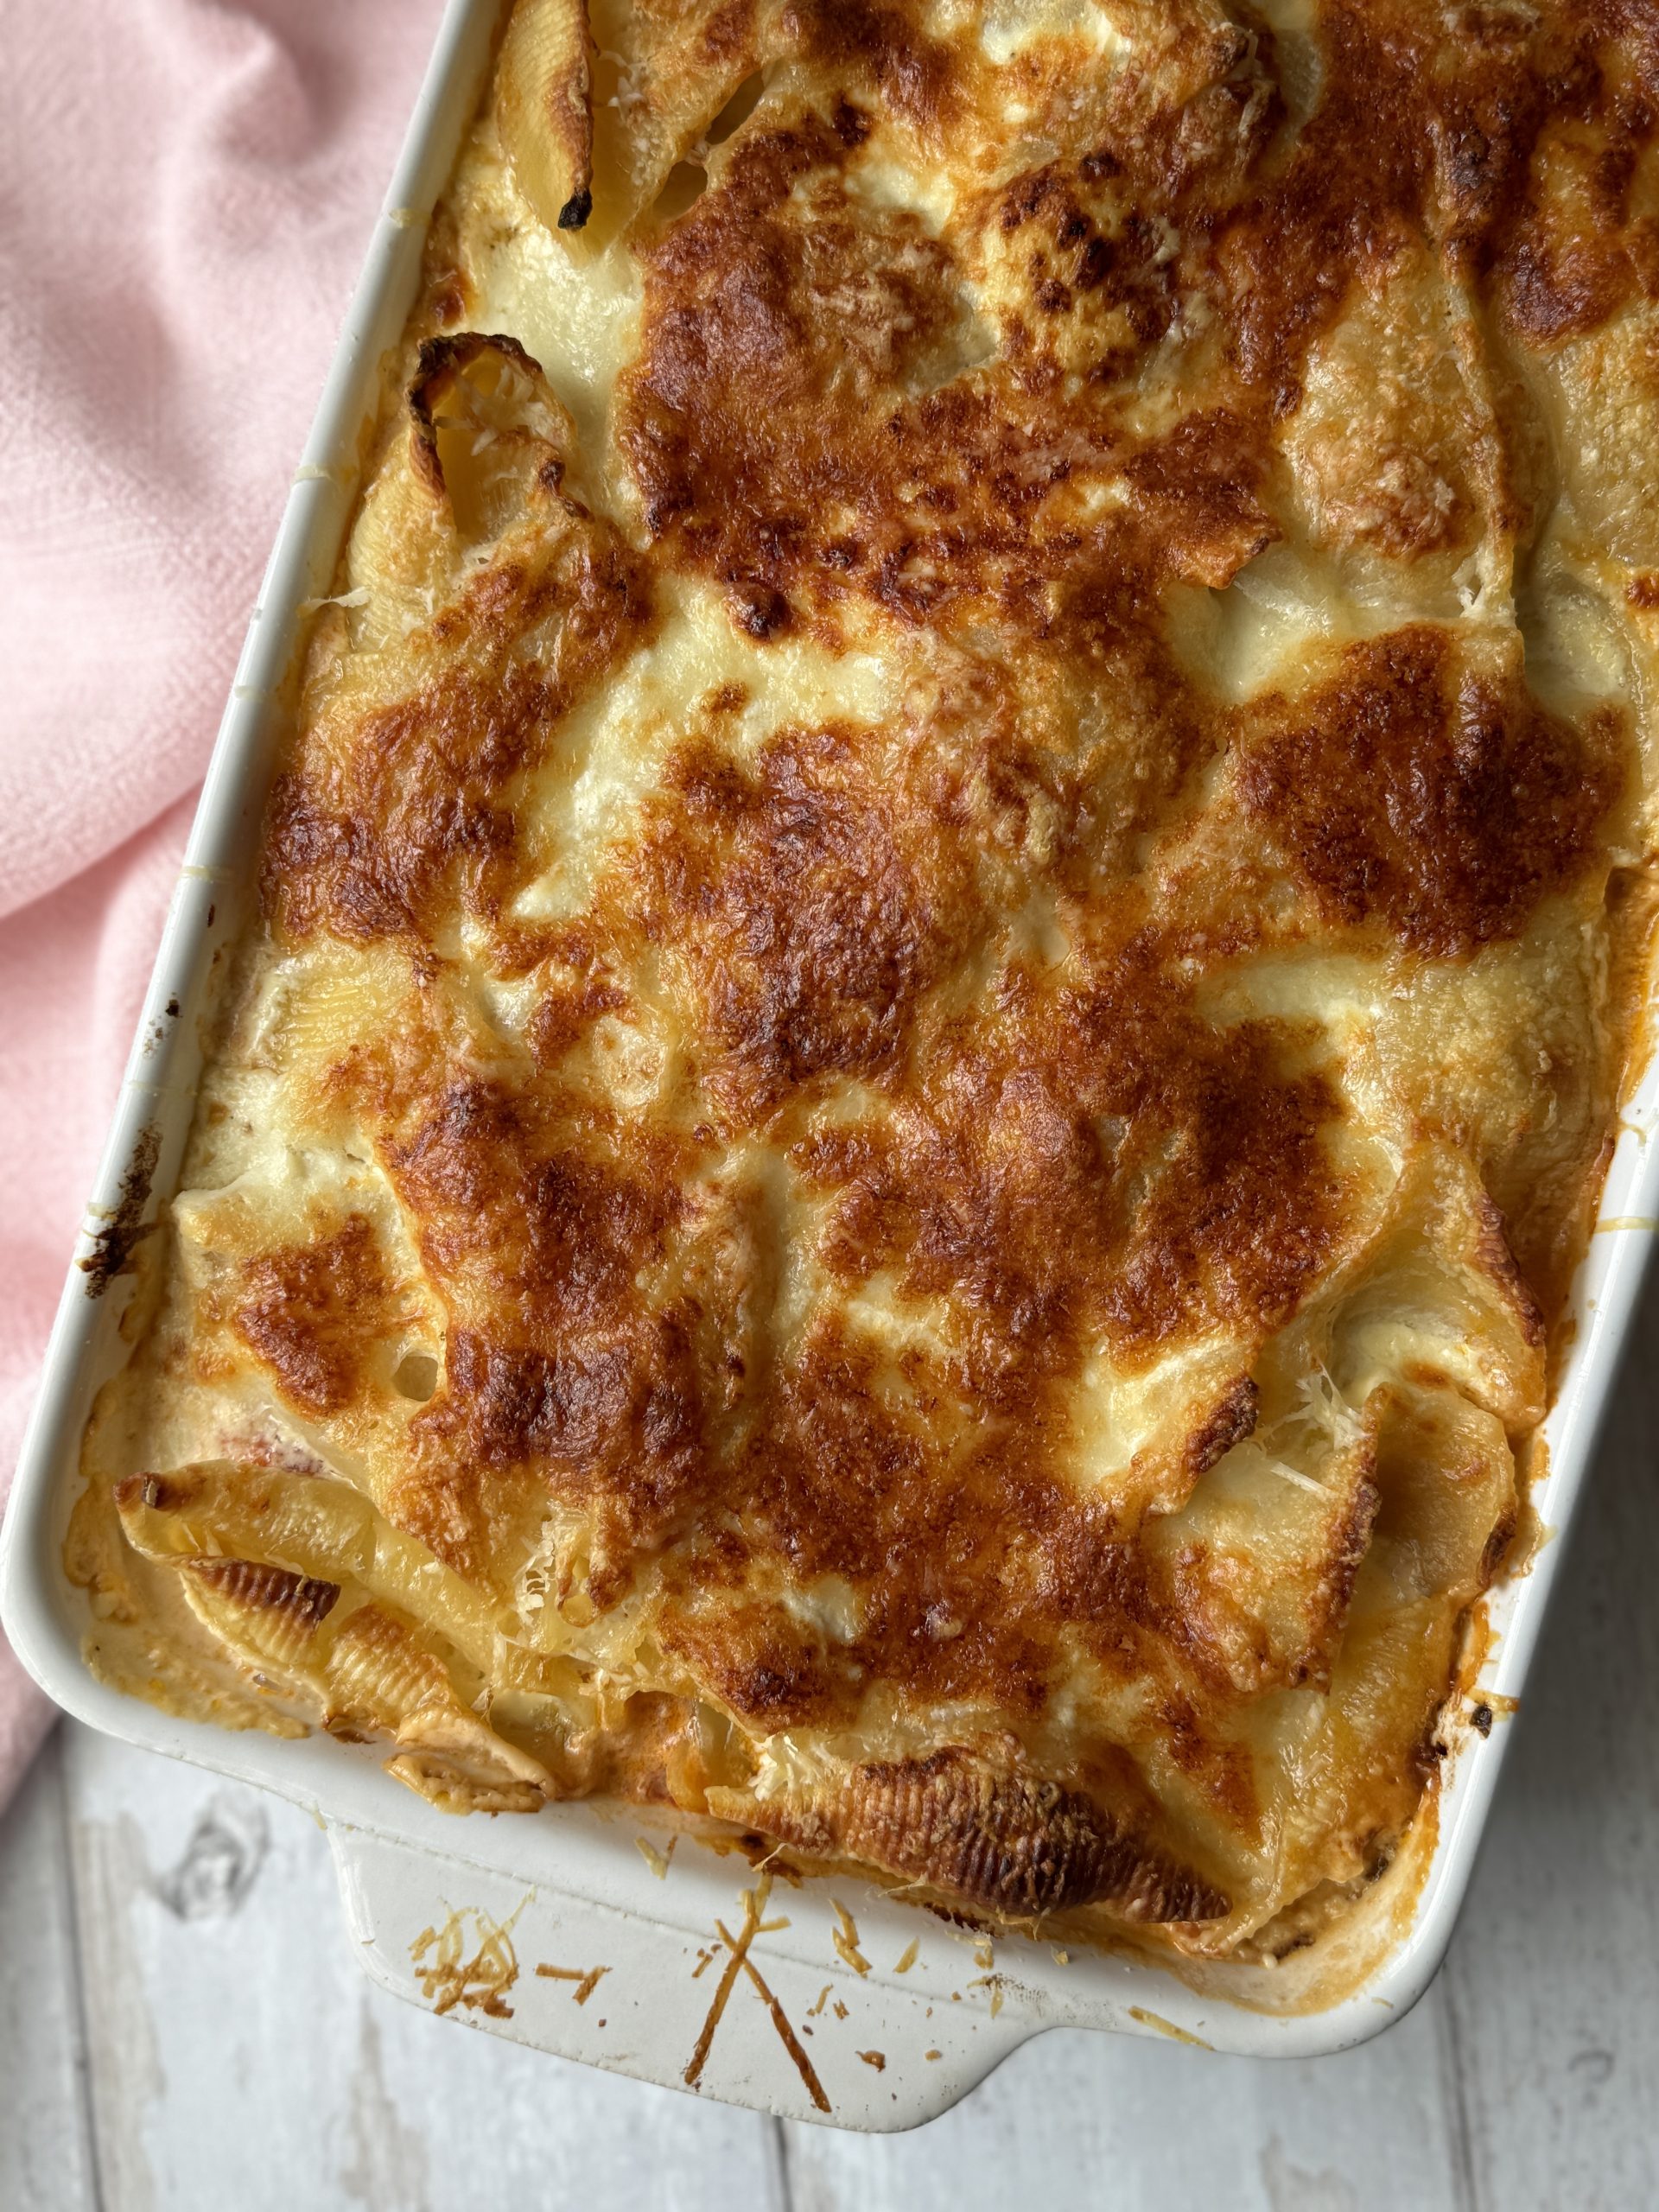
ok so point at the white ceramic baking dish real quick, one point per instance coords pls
(830, 2017)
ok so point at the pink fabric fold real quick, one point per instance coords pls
(186, 190)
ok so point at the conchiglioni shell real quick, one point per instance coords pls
(266, 1614)
(1006, 1843)
(544, 95)
(310, 1525)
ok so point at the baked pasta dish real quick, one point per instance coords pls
(947, 945)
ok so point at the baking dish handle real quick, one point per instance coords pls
(730, 2016)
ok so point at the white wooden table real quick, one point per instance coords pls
(184, 2028)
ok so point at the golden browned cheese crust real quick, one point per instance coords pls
(947, 947)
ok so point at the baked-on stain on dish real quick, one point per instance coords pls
(754, 1923)
(118, 1237)
(585, 1978)
(449, 1977)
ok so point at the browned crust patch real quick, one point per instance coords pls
(1439, 798)
(1230, 1421)
(311, 1312)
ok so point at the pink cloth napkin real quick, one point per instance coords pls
(186, 190)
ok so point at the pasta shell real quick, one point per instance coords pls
(544, 94)
(1007, 1842)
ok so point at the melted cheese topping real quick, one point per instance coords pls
(947, 948)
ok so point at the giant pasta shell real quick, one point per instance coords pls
(1006, 1843)
(544, 96)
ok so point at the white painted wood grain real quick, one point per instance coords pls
(1552, 1983)
(45, 2147)
(238, 2058)
(1078, 2122)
